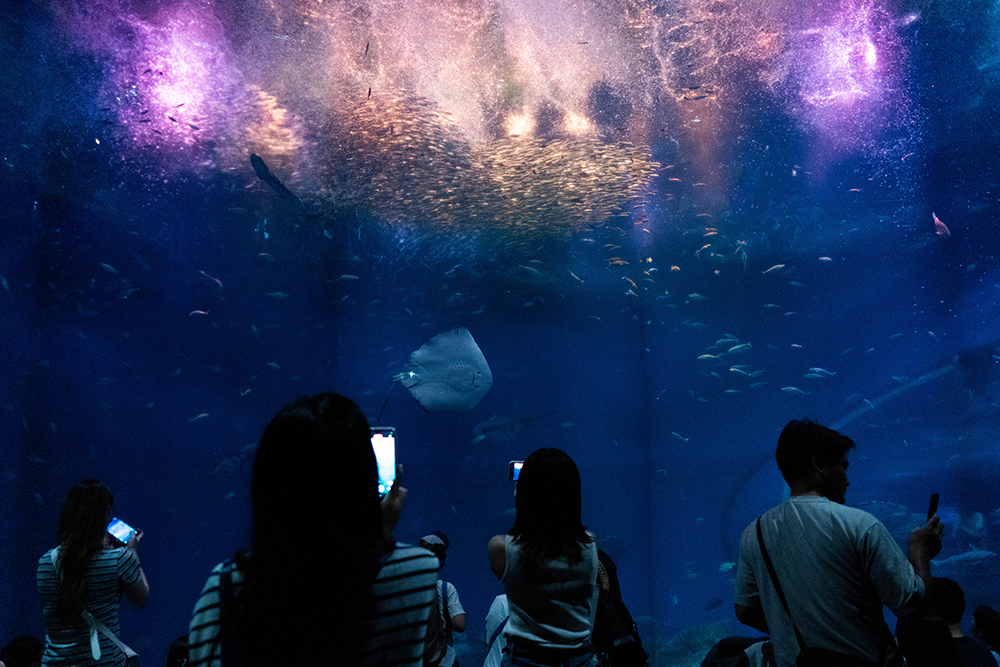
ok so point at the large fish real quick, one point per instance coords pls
(264, 174)
(971, 557)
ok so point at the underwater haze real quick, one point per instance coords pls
(669, 227)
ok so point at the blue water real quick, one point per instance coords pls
(160, 302)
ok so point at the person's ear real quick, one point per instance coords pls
(816, 466)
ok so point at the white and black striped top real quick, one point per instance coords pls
(68, 636)
(394, 621)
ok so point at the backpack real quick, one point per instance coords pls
(438, 629)
(615, 635)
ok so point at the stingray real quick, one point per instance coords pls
(448, 372)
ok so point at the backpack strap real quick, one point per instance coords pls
(496, 633)
(446, 611)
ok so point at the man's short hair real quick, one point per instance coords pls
(948, 599)
(801, 440)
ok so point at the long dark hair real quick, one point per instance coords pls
(82, 524)
(317, 535)
(548, 502)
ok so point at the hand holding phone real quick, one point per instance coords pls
(392, 503)
(925, 541)
(121, 531)
(515, 470)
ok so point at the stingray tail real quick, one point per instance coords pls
(393, 386)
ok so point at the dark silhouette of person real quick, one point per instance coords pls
(323, 581)
(986, 628)
(948, 600)
(23, 651)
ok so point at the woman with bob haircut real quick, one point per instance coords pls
(82, 580)
(547, 564)
(323, 582)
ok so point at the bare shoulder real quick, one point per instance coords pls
(497, 547)
(497, 550)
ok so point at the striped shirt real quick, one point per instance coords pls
(68, 637)
(393, 622)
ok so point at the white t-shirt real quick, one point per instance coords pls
(837, 566)
(498, 614)
(454, 609)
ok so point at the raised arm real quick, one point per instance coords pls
(924, 544)
(137, 592)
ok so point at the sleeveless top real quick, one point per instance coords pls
(552, 603)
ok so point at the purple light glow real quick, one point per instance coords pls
(185, 93)
(181, 100)
(840, 63)
(848, 66)
(203, 93)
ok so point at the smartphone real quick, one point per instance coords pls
(515, 470)
(932, 510)
(120, 530)
(384, 444)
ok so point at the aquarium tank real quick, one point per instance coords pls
(654, 231)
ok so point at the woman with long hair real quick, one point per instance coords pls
(323, 582)
(547, 564)
(82, 580)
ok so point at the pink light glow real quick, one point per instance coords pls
(842, 68)
(847, 63)
(871, 55)
(184, 78)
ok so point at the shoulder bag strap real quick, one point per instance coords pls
(94, 624)
(777, 584)
(95, 646)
